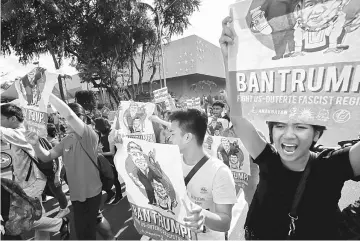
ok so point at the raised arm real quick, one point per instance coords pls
(65, 111)
(243, 128)
(43, 154)
(156, 119)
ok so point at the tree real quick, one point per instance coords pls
(169, 17)
(34, 27)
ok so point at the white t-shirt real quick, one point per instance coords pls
(213, 183)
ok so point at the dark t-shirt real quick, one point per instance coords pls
(318, 210)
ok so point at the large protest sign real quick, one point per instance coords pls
(216, 126)
(233, 153)
(34, 90)
(296, 59)
(132, 120)
(155, 188)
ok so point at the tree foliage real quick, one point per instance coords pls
(103, 37)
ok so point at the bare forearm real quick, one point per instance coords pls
(42, 154)
(60, 106)
(217, 221)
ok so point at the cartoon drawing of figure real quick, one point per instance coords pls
(215, 128)
(134, 117)
(147, 174)
(298, 26)
(236, 160)
(322, 25)
(32, 85)
(227, 149)
(163, 195)
(276, 18)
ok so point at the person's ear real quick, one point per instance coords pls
(188, 137)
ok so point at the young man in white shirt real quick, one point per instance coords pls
(212, 187)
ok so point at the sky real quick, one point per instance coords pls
(206, 23)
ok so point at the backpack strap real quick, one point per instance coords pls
(195, 169)
(31, 163)
(299, 194)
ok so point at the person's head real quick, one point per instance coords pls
(294, 140)
(50, 119)
(87, 99)
(233, 159)
(225, 143)
(158, 186)
(80, 112)
(136, 124)
(133, 108)
(11, 116)
(102, 125)
(137, 155)
(167, 115)
(51, 130)
(218, 108)
(188, 128)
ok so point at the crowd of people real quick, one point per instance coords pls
(277, 168)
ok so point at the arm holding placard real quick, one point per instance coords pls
(156, 119)
(74, 121)
(244, 129)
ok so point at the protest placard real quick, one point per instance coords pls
(233, 153)
(296, 60)
(34, 90)
(155, 188)
(216, 126)
(161, 95)
(132, 119)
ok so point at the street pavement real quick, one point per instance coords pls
(120, 219)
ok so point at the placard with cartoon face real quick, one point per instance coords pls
(34, 90)
(297, 60)
(132, 119)
(216, 126)
(233, 153)
(155, 188)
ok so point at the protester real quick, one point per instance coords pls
(54, 185)
(214, 178)
(31, 180)
(103, 126)
(281, 167)
(164, 133)
(218, 109)
(83, 176)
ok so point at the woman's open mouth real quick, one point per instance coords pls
(289, 149)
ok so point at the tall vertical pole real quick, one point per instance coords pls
(160, 22)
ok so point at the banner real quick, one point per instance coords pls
(132, 120)
(34, 90)
(161, 95)
(233, 153)
(296, 60)
(155, 188)
(216, 126)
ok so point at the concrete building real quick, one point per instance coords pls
(188, 61)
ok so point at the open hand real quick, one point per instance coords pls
(32, 138)
(195, 219)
